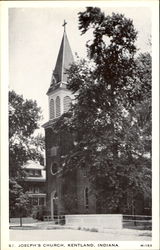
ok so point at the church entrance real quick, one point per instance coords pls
(54, 205)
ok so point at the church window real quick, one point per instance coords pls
(58, 107)
(52, 114)
(84, 172)
(53, 151)
(54, 168)
(55, 195)
(86, 198)
(66, 103)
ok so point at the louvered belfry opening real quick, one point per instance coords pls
(66, 103)
(52, 112)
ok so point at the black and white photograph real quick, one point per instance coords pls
(80, 100)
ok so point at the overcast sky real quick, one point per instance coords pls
(34, 39)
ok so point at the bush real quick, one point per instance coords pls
(93, 230)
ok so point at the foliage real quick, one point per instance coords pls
(70, 202)
(111, 117)
(114, 58)
(19, 201)
(24, 116)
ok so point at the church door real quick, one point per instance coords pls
(54, 205)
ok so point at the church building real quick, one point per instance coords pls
(69, 193)
(66, 193)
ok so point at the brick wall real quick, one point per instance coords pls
(69, 187)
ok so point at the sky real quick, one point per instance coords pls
(35, 35)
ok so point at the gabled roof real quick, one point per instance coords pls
(33, 165)
(64, 59)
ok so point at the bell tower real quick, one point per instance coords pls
(59, 97)
(57, 146)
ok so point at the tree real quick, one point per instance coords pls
(24, 116)
(110, 102)
(19, 201)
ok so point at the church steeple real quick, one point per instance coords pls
(64, 59)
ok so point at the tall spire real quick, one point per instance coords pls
(64, 59)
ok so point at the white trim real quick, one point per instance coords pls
(51, 168)
(37, 195)
(51, 200)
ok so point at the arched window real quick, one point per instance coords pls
(54, 168)
(52, 114)
(86, 200)
(66, 103)
(58, 106)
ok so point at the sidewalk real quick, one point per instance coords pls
(49, 231)
(78, 235)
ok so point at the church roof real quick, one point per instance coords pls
(64, 59)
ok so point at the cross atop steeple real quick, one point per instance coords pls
(64, 25)
(64, 59)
